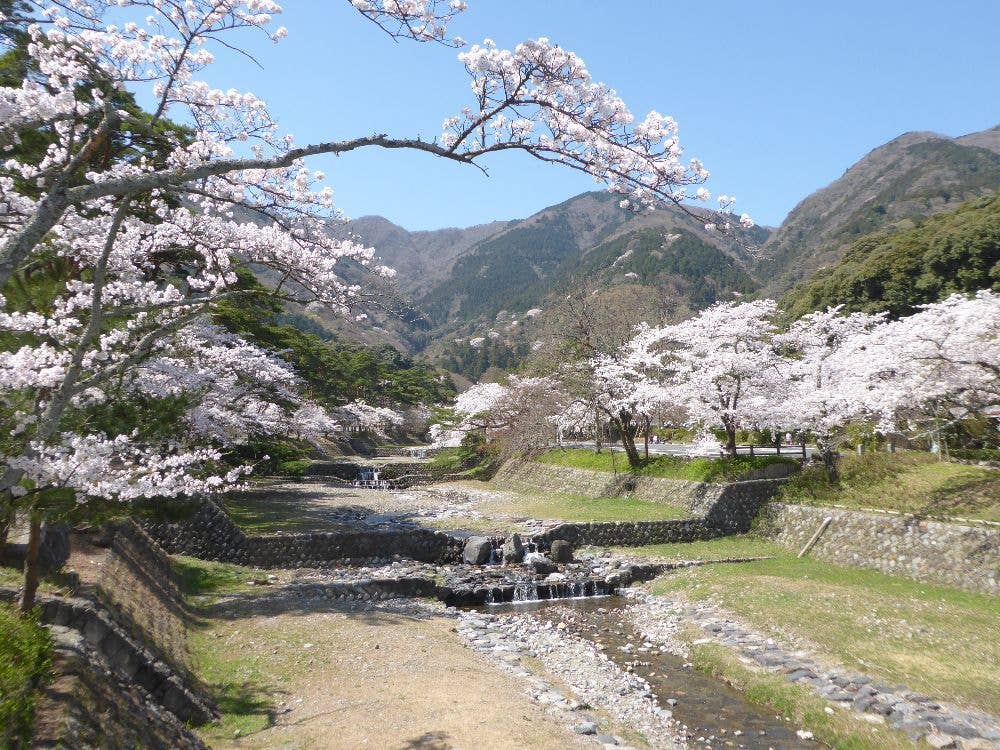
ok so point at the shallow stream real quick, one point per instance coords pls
(715, 715)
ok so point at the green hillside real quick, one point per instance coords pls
(957, 251)
(914, 176)
(704, 272)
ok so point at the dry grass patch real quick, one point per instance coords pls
(356, 676)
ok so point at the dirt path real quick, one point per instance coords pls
(392, 676)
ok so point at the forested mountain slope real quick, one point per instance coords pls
(911, 177)
(956, 251)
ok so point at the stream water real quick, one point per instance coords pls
(715, 714)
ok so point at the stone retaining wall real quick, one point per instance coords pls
(209, 534)
(629, 533)
(729, 507)
(87, 705)
(127, 658)
(932, 551)
(139, 588)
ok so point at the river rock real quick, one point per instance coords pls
(939, 741)
(513, 550)
(561, 552)
(539, 563)
(478, 551)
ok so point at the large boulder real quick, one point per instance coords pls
(513, 550)
(561, 552)
(540, 563)
(478, 551)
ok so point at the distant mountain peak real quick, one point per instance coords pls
(914, 175)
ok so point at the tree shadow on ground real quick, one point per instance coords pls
(961, 499)
(247, 702)
(428, 741)
(385, 612)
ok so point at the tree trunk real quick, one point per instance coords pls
(598, 431)
(6, 519)
(645, 436)
(31, 563)
(628, 430)
(730, 435)
(829, 456)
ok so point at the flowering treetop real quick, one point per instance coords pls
(134, 221)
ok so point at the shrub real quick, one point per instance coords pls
(25, 660)
(976, 454)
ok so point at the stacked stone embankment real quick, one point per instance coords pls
(139, 588)
(628, 533)
(128, 659)
(87, 705)
(121, 669)
(209, 534)
(966, 556)
(720, 507)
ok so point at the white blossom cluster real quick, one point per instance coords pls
(140, 217)
(542, 99)
(730, 367)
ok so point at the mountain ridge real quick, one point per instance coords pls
(462, 284)
(914, 175)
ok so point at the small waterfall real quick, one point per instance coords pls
(525, 591)
(532, 591)
(496, 555)
(371, 479)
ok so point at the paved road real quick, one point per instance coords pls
(681, 449)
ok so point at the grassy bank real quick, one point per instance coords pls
(842, 730)
(664, 467)
(933, 639)
(726, 547)
(908, 482)
(209, 578)
(580, 508)
(25, 660)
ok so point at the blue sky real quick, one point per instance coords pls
(778, 98)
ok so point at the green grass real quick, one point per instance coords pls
(908, 482)
(25, 660)
(933, 639)
(741, 545)
(62, 582)
(580, 508)
(263, 511)
(842, 730)
(449, 459)
(207, 578)
(11, 577)
(664, 467)
(240, 691)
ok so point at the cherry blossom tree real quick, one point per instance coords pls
(120, 228)
(630, 388)
(939, 365)
(520, 417)
(828, 379)
(722, 364)
(364, 417)
(589, 329)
